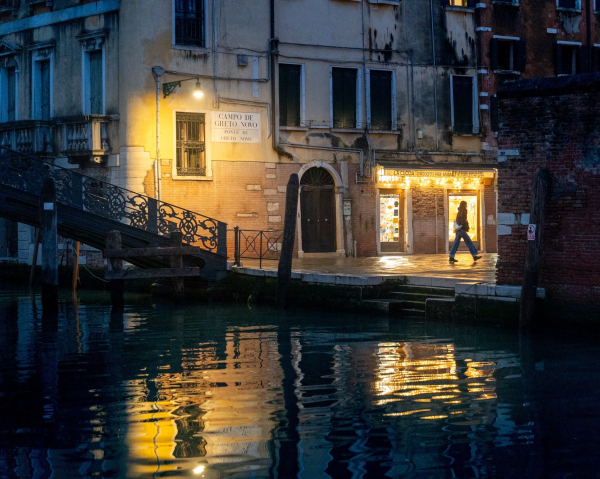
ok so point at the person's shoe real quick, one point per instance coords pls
(475, 258)
(452, 260)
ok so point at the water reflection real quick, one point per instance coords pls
(154, 391)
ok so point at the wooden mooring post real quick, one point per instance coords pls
(176, 261)
(534, 249)
(284, 270)
(48, 231)
(115, 266)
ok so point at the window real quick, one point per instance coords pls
(571, 59)
(463, 104)
(93, 62)
(507, 54)
(459, 3)
(381, 111)
(572, 4)
(42, 90)
(190, 147)
(344, 88)
(290, 94)
(8, 87)
(189, 22)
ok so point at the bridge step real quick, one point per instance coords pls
(152, 273)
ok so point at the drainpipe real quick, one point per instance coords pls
(157, 72)
(588, 20)
(437, 140)
(215, 55)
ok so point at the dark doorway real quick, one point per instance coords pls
(317, 210)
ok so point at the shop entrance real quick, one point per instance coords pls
(472, 199)
(317, 211)
(391, 224)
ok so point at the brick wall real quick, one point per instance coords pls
(554, 123)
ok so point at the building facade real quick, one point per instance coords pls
(375, 104)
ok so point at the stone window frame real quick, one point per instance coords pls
(577, 6)
(394, 112)
(476, 126)
(302, 125)
(10, 57)
(179, 46)
(359, 117)
(91, 42)
(39, 53)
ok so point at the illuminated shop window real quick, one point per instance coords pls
(454, 200)
(389, 222)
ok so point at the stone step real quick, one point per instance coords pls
(422, 297)
(441, 309)
(429, 290)
(383, 305)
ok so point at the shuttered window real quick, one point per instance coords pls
(96, 89)
(190, 146)
(571, 59)
(380, 84)
(11, 89)
(462, 100)
(45, 89)
(344, 97)
(289, 94)
(189, 22)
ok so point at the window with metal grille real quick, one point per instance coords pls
(343, 83)
(380, 86)
(191, 160)
(289, 94)
(463, 120)
(189, 22)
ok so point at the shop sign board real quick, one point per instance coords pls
(235, 127)
(438, 173)
(531, 233)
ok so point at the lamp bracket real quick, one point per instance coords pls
(170, 87)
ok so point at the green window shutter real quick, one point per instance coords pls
(381, 99)
(96, 93)
(462, 91)
(344, 97)
(521, 56)
(289, 94)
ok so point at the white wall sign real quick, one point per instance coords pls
(235, 127)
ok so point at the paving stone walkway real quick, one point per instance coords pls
(426, 265)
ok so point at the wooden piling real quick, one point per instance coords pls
(534, 249)
(284, 270)
(48, 231)
(36, 246)
(115, 286)
(176, 240)
(76, 266)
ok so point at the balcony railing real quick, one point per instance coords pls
(84, 136)
(27, 136)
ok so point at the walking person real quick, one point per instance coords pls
(461, 228)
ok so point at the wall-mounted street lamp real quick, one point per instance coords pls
(173, 86)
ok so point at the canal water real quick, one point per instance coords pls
(217, 391)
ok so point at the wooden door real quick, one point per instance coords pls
(318, 219)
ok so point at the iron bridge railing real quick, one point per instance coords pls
(257, 244)
(28, 173)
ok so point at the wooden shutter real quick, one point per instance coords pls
(344, 97)
(521, 56)
(462, 91)
(494, 53)
(11, 79)
(45, 89)
(381, 99)
(96, 89)
(289, 95)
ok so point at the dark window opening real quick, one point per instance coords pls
(567, 59)
(11, 101)
(189, 22)
(381, 99)
(190, 146)
(567, 3)
(505, 55)
(344, 97)
(508, 55)
(289, 94)
(45, 89)
(462, 97)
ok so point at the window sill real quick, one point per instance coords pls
(190, 48)
(383, 132)
(293, 128)
(568, 10)
(347, 130)
(505, 4)
(192, 178)
(507, 72)
(453, 8)
(465, 134)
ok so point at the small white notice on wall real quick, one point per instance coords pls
(531, 233)
(235, 127)
(49, 206)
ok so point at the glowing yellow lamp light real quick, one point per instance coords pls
(198, 93)
(199, 469)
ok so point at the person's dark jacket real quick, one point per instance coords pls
(461, 219)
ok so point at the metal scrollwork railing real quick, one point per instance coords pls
(28, 173)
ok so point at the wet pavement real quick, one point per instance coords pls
(427, 265)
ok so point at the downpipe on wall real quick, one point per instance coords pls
(157, 72)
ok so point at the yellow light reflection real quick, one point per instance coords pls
(442, 416)
(407, 413)
(199, 469)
